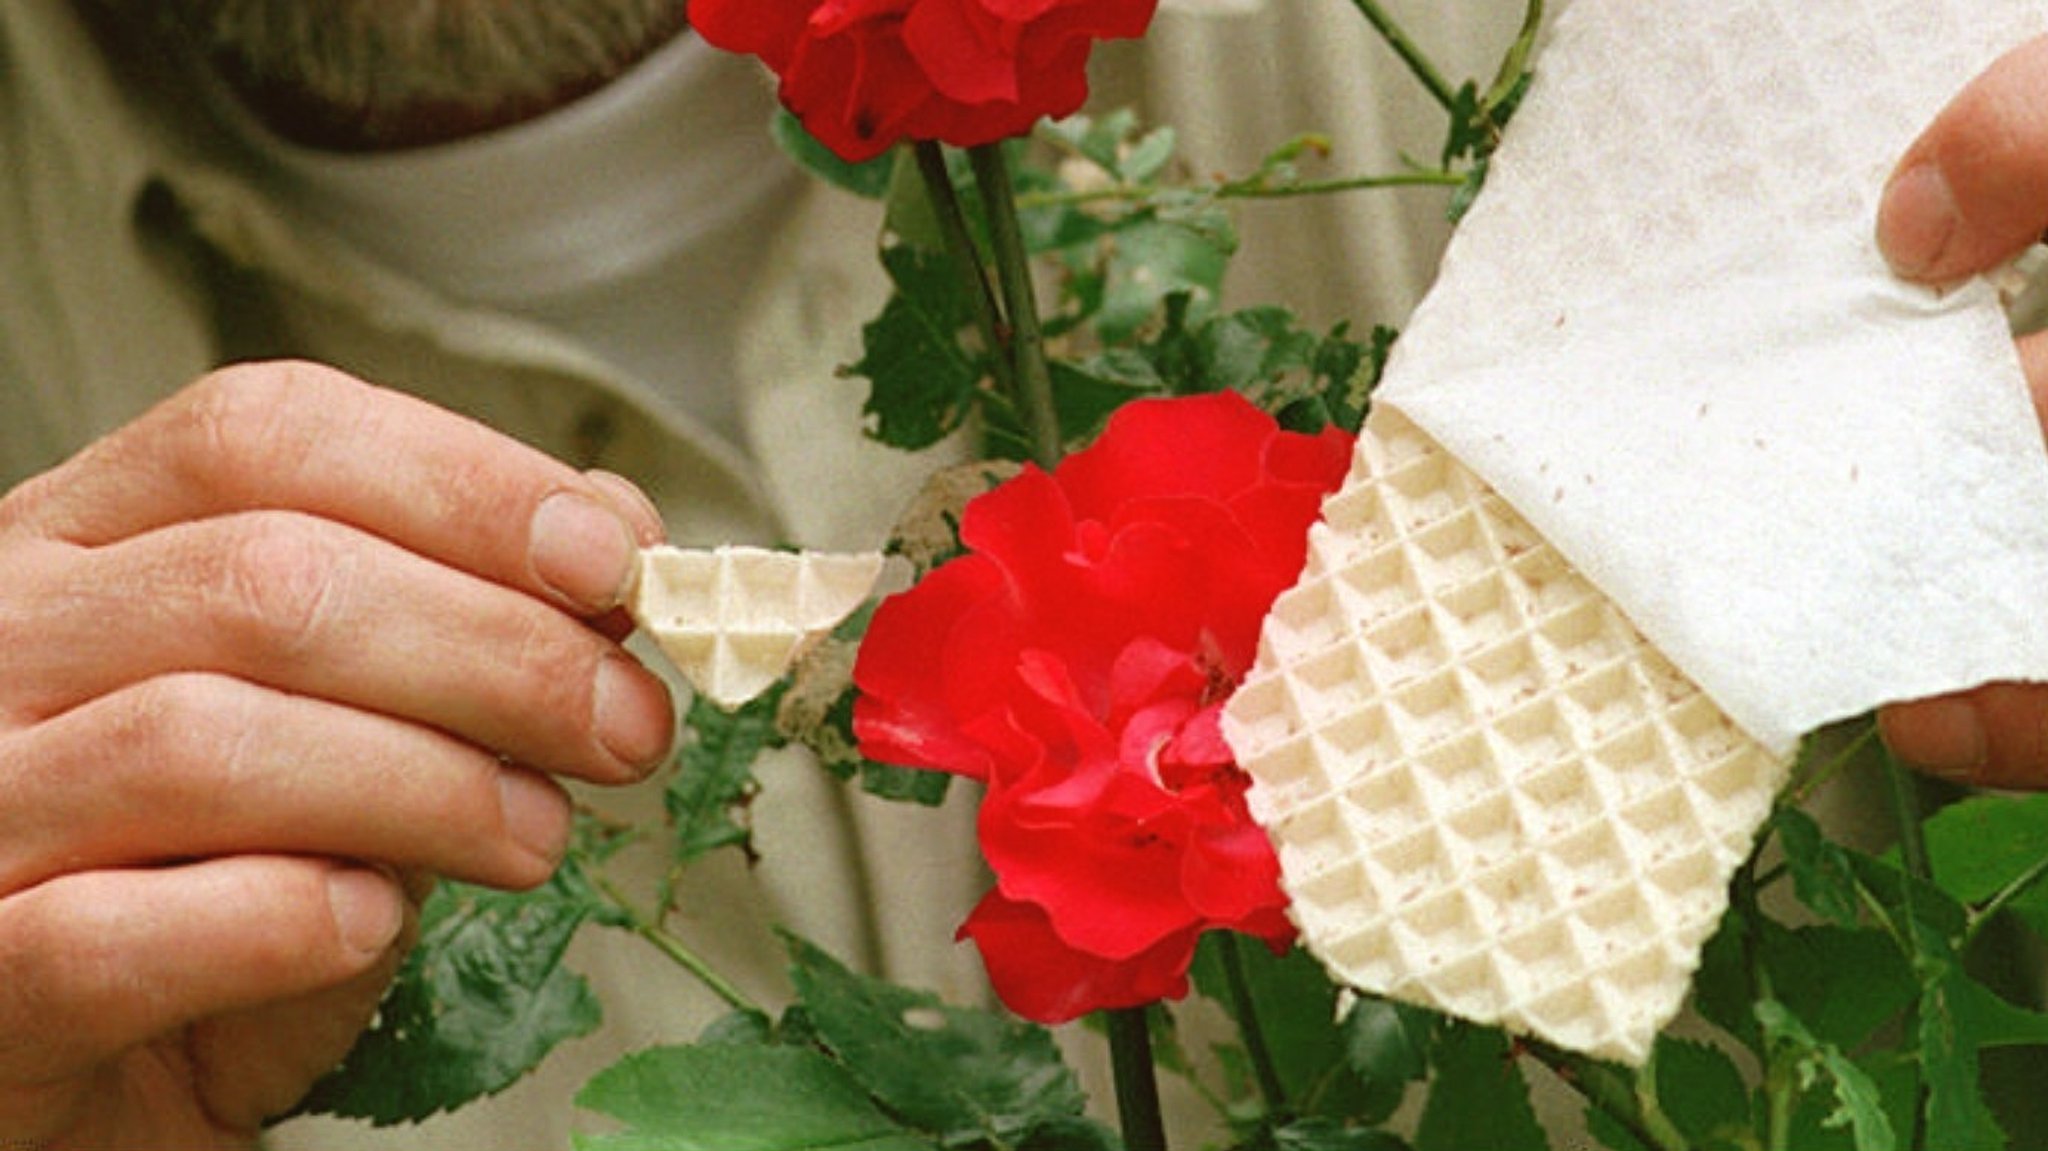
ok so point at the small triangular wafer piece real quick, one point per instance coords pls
(1489, 794)
(734, 619)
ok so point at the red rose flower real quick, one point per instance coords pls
(863, 74)
(1076, 662)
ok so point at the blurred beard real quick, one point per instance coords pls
(362, 74)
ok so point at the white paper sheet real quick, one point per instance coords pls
(1666, 336)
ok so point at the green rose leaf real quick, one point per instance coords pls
(1991, 1021)
(1809, 967)
(1858, 1104)
(1326, 1134)
(714, 780)
(1822, 874)
(1387, 1042)
(480, 1002)
(1703, 1094)
(737, 1098)
(1478, 1097)
(868, 180)
(1980, 846)
(959, 1074)
(924, 381)
(1154, 257)
(1297, 1010)
(1957, 1115)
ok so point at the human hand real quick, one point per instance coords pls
(281, 641)
(1968, 196)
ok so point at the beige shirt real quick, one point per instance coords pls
(136, 252)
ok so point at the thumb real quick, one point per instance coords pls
(254, 1065)
(1972, 192)
(99, 963)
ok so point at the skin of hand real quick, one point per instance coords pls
(1969, 195)
(274, 653)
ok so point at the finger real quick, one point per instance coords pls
(1994, 736)
(2033, 350)
(301, 437)
(96, 964)
(249, 770)
(1972, 192)
(314, 608)
(251, 1066)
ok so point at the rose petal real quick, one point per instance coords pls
(1079, 666)
(1039, 977)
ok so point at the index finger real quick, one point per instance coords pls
(1972, 192)
(302, 437)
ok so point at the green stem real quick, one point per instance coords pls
(1780, 1072)
(1263, 1069)
(1780, 1084)
(1913, 854)
(966, 258)
(1615, 1092)
(1137, 1090)
(1398, 40)
(1516, 62)
(1020, 303)
(1906, 809)
(1248, 189)
(1805, 788)
(2003, 899)
(675, 949)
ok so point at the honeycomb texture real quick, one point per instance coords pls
(1489, 794)
(733, 619)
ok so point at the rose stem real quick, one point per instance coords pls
(1248, 188)
(644, 926)
(1137, 1092)
(1614, 1091)
(1516, 62)
(1913, 854)
(1426, 72)
(1013, 274)
(1247, 1012)
(966, 258)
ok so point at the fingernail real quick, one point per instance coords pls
(632, 503)
(1946, 738)
(635, 719)
(581, 550)
(368, 911)
(536, 813)
(1917, 220)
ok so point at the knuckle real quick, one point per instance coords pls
(281, 579)
(25, 502)
(1993, 135)
(231, 413)
(556, 660)
(28, 577)
(178, 724)
(57, 946)
(242, 423)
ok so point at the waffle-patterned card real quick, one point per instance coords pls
(734, 619)
(1488, 792)
(1664, 387)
